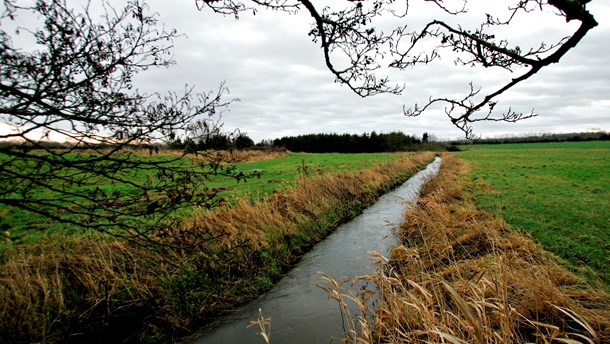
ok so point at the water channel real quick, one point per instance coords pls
(300, 311)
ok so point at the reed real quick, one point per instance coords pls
(231, 156)
(463, 276)
(65, 289)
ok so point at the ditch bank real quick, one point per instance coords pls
(299, 310)
(461, 275)
(97, 289)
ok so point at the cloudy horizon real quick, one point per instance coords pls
(277, 72)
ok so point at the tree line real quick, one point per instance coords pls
(351, 143)
(218, 141)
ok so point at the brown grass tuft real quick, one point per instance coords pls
(278, 216)
(51, 288)
(243, 155)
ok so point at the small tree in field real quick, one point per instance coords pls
(355, 47)
(75, 86)
(243, 141)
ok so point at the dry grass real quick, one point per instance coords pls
(247, 155)
(461, 276)
(50, 289)
(225, 156)
(92, 288)
(260, 224)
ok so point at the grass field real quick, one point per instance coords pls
(93, 287)
(463, 275)
(277, 174)
(558, 192)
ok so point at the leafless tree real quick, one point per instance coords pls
(74, 84)
(348, 32)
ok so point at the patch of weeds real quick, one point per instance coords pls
(186, 291)
(299, 241)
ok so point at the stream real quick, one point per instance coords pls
(300, 311)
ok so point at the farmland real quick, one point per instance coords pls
(279, 174)
(559, 193)
(474, 265)
(463, 275)
(86, 283)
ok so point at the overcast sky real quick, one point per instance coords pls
(277, 72)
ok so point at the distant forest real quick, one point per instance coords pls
(353, 143)
(327, 143)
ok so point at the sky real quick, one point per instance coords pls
(277, 72)
(269, 62)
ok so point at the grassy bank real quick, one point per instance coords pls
(462, 275)
(92, 288)
(280, 174)
(557, 192)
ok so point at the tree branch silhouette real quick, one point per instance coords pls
(76, 86)
(349, 35)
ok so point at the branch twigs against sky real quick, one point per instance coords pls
(358, 51)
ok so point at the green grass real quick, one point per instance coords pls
(558, 192)
(278, 174)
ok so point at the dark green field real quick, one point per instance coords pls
(557, 192)
(276, 174)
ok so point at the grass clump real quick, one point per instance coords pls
(67, 289)
(462, 275)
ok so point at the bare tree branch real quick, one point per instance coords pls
(352, 32)
(483, 50)
(76, 87)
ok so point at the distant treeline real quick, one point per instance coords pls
(354, 143)
(541, 138)
(218, 141)
(319, 143)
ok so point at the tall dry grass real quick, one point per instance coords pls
(260, 224)
(247, 155)
(224, 156)
(92, 288)
(257, 241)
(66, 289)
(462, 276)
